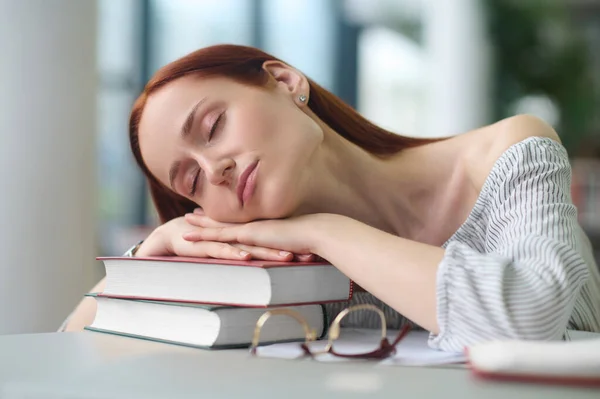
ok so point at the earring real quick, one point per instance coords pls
(302, 98)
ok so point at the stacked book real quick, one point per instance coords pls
(210, 303)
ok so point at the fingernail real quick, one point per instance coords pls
(285, 253)
(198, 211)
(244, 253)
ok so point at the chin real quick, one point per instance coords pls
(276, 211)
(278, 204)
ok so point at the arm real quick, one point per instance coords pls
(84, 313)
(523, 285)
(400, 272)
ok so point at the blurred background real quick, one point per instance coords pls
(71, 69)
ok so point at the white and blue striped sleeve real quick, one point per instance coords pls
(524, 282)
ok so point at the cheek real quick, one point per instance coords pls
(282, 190)
(222, 207)
(268, 119)
(253, 123)
(216, 209)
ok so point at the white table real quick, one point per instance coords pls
(92, 365)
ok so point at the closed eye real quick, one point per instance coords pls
(215, 126)
(194, 186)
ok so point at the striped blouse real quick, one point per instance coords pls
(520, 266)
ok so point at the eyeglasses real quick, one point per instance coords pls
(384, 350)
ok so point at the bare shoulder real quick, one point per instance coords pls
(490, 142)
(515, 129)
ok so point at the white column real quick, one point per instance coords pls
(47, 131)
(458, 59)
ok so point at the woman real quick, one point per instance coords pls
(473, 237)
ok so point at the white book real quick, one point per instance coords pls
(572, 362)
(199, 325)
(225, 282)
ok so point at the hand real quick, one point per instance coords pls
(167, 240)
(293, 234)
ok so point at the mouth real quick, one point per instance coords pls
(246, 183)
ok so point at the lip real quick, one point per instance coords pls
(245, 186)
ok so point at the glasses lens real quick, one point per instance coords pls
(357, 341)
(285, 328)
(282, 328)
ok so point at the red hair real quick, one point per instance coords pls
(245, 65)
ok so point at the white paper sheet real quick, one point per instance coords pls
(411, 351)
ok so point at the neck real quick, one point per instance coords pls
(395, 194)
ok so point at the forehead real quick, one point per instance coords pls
(167, 108)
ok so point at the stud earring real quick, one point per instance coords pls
(302, 98)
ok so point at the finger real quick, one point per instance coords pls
(199, 220)
(204, 221)
(192, 236)
(220, 234)
(199, 211)
(225, 251)
(265, 253)
(218, 250)
(304, 257)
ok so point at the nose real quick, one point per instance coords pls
(220, 172)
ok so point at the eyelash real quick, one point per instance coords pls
(215, 126)
(194, 183)
(210, 135)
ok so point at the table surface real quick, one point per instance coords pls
(94, 365)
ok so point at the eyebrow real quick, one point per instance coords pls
(189, 121)
(185, 131)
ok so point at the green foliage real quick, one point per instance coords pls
(538, 50)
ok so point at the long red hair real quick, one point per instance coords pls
(245, 65)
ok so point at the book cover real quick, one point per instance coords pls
(264, 264)
(204, 305)
(178, 343)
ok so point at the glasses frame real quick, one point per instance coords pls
(385, 349)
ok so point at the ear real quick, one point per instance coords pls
(289, 79)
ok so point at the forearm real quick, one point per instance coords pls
(85, 312)
(400, 272)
